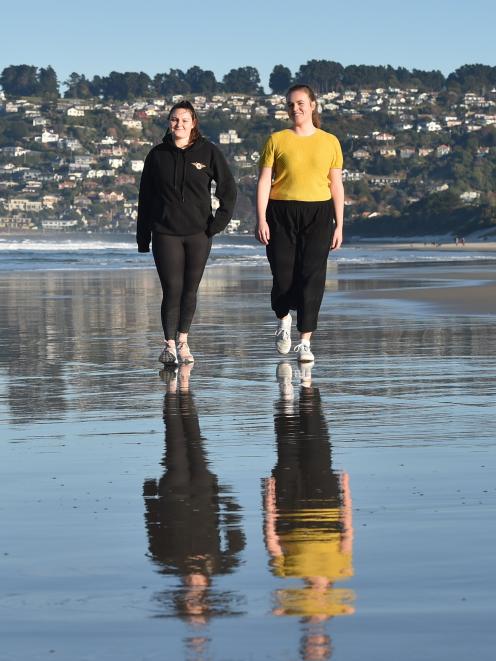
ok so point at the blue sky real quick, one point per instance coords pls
(97, 37)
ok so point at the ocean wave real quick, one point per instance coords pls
(414, 258)
(62, 246)
(234, 246)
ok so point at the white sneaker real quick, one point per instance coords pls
(305, 374)
(168, 356)
(304, 353)
(283, 334)
(284, 375)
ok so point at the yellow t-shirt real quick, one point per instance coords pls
(301, 164)
(313, 553)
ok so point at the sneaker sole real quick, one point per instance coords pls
(168, 363)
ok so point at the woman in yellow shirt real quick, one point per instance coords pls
(300, 205)
(308, 514)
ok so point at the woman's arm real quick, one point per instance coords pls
(225, 192)
(337, 192)
(262, 232)
(271, 537)
(143, 228)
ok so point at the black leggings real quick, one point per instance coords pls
(300, 240)
(180, 262)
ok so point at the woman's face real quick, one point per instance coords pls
(300, 107)
(181, 124)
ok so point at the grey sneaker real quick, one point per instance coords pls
(304, 353)
(283, 335)
(169, 376)
(168, 355)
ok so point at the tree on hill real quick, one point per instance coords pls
(428, 80)
(244, 79)
(124, 86)
(48, 84)
(26, 80)
(280, 79)
(174, 82)
(21, 80)
(321, 75)
(473, 78)
(201, 81)
(78, 87)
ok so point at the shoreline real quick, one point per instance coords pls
(387, 243)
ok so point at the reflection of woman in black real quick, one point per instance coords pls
(308, 528)
(187, 514)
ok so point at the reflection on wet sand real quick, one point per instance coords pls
(308, 516)
(193, 523)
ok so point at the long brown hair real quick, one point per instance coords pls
(186, 105)
(311, 95)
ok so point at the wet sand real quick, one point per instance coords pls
(465, 289)
(248, 509)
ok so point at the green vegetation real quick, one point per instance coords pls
(419, 148)
(437, 214)
(323, 75)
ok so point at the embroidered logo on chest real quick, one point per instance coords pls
(199, 166)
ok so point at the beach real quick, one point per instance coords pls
(247, 508)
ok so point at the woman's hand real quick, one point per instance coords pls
(337, 238)
(262, 232)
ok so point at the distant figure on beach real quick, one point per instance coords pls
(300, 208)
(193, 523)
(308, 517)
(175, 214)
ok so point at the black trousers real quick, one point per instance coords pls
(300, 240)
(180, 262)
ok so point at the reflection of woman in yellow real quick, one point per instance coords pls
(308, 527)
(188, 514)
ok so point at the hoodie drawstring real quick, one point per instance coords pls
(179, 154)
(175, 169)
(184, 177)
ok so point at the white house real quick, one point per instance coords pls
(115, 162)
(384, 137)
(38, 120)
(443, 150)
(73, 111)
(133, 124)
(470, 195)
(58, 224)
(49, 136)
(229, 137)
(23, 204)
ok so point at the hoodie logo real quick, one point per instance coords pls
(199, 166)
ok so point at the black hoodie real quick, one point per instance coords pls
(174, 196)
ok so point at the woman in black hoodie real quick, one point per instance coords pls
(175, 215)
